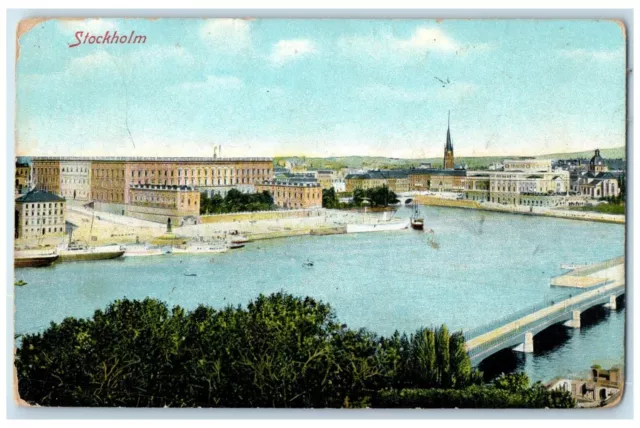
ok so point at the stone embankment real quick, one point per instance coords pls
(513, 209)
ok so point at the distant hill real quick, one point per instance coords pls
(614, 153)
(479, 162)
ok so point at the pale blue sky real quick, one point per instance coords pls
(322, 87)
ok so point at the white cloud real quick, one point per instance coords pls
(227, 34)
(589, 54)
(424, 39)
(289, 50)
(393, 93)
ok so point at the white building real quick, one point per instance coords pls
(597, 182)
(39, 213)
(529, 187)
(524, 165)
(75, 179)
(535, 184)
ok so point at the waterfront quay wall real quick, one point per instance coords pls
(153, 214)
(320, 231)
(587, 276)
(258, 215)
(524, 210)
(445, 202)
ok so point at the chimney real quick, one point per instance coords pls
(220, 150)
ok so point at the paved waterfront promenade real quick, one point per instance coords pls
(590, 275)
(112, 228)
(518, 330)
(435, 200)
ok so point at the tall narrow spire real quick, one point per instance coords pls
(448, 160)
(449, 145)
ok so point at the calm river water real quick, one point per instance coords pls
(483, 266)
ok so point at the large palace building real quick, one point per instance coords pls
(108, 181)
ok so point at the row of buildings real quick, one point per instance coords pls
(158, 189)
(528, 181)
(152, 188)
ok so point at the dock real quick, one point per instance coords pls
(589, 276)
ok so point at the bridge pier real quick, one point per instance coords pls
(574, 322)
(527, 346)
(612, 303)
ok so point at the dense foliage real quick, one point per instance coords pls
(281, 351)
(474, 397)
(236, 201)
(609, 208)
(622, 185)
(376, 196)
(330, 199)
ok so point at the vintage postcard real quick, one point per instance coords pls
(301, 213)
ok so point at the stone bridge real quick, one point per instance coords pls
(517, 330)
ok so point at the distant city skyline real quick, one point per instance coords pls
(321, 88)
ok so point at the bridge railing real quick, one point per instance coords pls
(480, 330)
(545, 321)
(480, 349)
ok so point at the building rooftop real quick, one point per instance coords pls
(380, 175)
(162, 187)
(36, 195)
(149, 159)
(600, 175)
(281, 179)
(438, 171)
(404, 173)
(289, 183)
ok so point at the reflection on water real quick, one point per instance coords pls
(559, 350)
(487, 266)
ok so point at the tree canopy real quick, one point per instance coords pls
(236, 201)
(281, 351)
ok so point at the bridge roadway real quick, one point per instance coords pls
(517, 331)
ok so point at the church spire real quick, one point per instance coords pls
(449, 146)
(448, 161)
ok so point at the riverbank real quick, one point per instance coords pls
(513, 209)
(100, 228)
